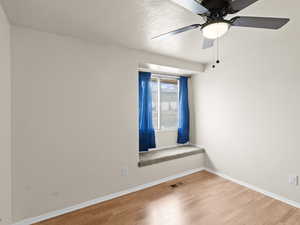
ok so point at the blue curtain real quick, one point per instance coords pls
(146, 130)
(184, 112)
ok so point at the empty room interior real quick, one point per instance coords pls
(149, 112)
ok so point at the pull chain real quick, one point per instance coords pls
(218, 52)
(213, 56)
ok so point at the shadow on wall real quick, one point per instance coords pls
(209, 163)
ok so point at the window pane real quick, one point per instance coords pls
(169, 104)
(154, 90)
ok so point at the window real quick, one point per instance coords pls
(165, 91)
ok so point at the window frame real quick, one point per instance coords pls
(158, 78)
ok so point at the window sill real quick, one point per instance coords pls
(158, 156)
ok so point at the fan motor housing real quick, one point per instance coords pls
(214, 4)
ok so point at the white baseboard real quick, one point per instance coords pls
(143, 186)
(104, 198)
(257, 189)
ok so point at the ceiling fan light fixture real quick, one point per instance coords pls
(215, 30)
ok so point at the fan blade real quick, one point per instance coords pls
(193, 6)
(208, 43)
(238, 5)
(183, 29)
(259, 22)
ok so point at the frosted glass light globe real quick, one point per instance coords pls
(215, 30)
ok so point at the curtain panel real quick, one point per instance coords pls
(184, 112)
(146, 130)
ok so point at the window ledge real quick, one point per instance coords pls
(158, 156)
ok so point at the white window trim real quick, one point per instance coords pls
(160, 77)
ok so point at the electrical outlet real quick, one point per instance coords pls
(124, 171)
(293, 179)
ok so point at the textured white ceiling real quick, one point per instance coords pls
(132, 23)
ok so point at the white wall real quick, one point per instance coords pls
(5, 120)
(75, 121)
(248, 112)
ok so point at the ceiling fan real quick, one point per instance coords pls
(214, 12)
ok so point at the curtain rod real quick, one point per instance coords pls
(162, 73)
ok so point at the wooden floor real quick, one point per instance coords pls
(203, 198)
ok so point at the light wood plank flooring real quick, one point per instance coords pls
(202, 199)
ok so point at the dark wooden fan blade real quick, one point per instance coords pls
(238, 5)
(193, 6)
(208, 43)
(259, 22)
(183, 29)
